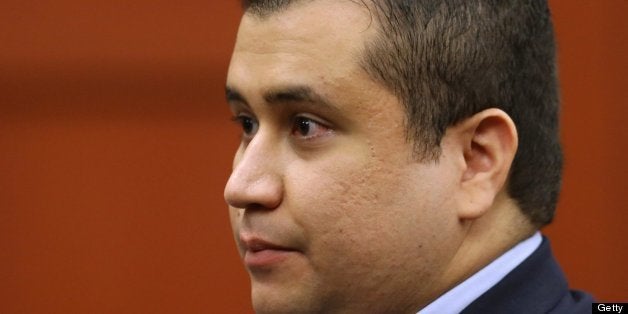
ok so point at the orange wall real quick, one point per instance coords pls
(588, 234)
(115, 142)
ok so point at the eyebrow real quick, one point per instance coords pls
(233, 95)
(283, 95)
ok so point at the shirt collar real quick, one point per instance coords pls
(456, 299)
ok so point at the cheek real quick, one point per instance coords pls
(348, 204)
(370, 204)
(331, 191)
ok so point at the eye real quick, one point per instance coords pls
(307, 128)
(249, 124)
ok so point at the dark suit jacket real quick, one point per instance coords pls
(537, 285)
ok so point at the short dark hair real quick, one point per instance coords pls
(449, 59)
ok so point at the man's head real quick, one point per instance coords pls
(378, 143)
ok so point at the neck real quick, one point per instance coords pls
(484, 240)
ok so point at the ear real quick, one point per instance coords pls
(487, 142)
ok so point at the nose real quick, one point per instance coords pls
(255, 182)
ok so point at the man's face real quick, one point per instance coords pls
(330, 211)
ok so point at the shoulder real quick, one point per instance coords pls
(537, 285)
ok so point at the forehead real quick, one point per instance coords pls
(323, 38)
(308, 20)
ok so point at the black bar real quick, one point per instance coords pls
(609, 307)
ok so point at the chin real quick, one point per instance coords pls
(268, 305)
(273, 300)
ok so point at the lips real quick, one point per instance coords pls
(256, 245)
(260, 253)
